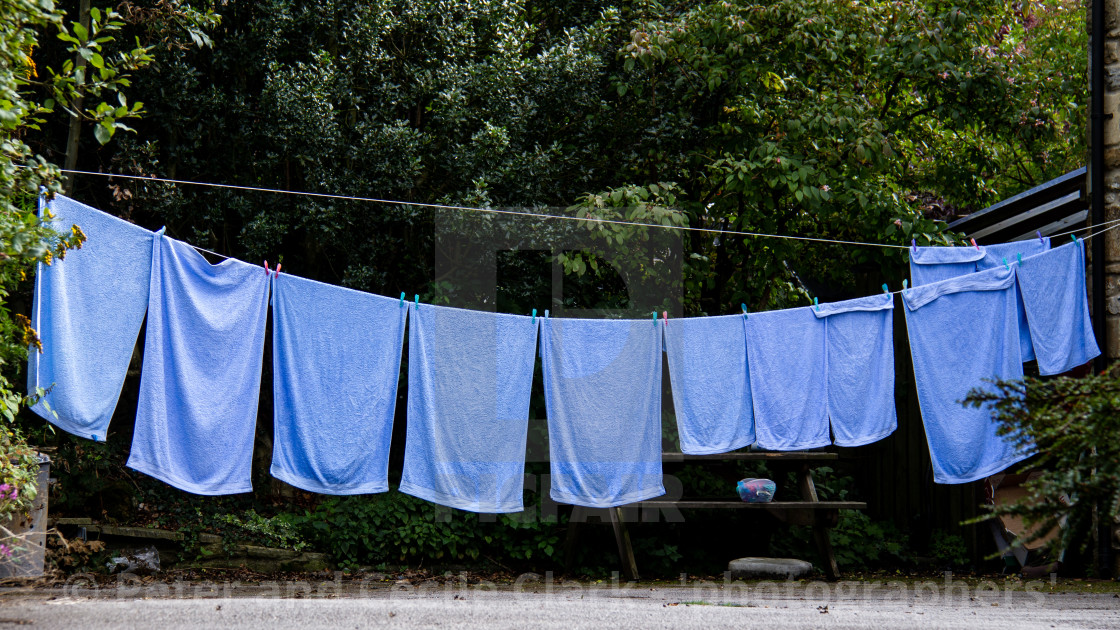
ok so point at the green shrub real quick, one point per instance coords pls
(1073, 423)
(395, 527)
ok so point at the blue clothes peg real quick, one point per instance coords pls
(886, 289)
(416, 297)
(402, 299)
(904, 284)
(1040, 239)
(534, 316)
(745, 311)
(1020, 259)
(816, 305)
(655, 318)
(1007, 266)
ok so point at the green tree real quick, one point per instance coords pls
(841, 121)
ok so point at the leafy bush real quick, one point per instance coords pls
(857, 542)
(1073, 423)
(276, 531)
(395, 527)
(948, 550)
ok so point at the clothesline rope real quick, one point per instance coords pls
(530, 214)
(486, 210)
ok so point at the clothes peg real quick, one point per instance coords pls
(534, 316)
(816, 305)
(745, 311)
(1040, 239)
(1020, 259)
(655, 318)
(665, 317)
(914, 245)
(266, 271)
(886, 289)
(1005, 264)
(416, 298)
(974, 244)
(1074, 237)
(904, 283)
(546, 313)
(402, 299)
(278, 265)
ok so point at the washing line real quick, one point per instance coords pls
(485, 210)
(517, 213)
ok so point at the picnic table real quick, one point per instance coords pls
(809, 510)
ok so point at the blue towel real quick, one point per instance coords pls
(201, 378)
(1057, 306)
(88, 309)
(470, 374)
(336, 360)
(786, 361)
(934, 264)
(859, 359)
(602, 388)
(994, 254)
(711, 391)
(963, 331)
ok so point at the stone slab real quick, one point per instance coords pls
(768, 568)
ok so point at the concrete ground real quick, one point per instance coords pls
(542, 603)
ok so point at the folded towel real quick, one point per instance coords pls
(963, 331)
(1057, 306)
(201, 378)
(859, 355)
(88, 309)
(934, 264)
(602, 387)
(470, 375)
(786, 362)
(336, 356)
(711, 391)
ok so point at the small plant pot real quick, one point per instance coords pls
(25, 534)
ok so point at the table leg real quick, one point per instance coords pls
(622, 539)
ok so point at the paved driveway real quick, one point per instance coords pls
(566, 606)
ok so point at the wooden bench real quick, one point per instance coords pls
(810, 510)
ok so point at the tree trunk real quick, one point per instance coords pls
(76, 120)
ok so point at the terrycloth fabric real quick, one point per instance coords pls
(201, 378)
(994, 254)
(88, 309)
(1057, 305)
(602, 387)
(336, 359)
(963, 331)
(859, 359)
(786, 362)
(934, 264)
(470, 374)
(711, 391)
